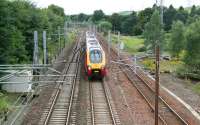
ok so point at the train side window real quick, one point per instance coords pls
(95, 56)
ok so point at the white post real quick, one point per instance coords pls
(35, 53)
(161, 15)
(135, 64)
(59, 39)
(45, 47)
(65, 33)
(118, 39)
(109, 41)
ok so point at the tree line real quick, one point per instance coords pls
(134, 23)
(18, 20)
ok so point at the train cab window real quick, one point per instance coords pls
(95, 56)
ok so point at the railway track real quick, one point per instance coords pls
(60, 109)
(167, 114)
(102, 110)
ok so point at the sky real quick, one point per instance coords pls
(109, 6)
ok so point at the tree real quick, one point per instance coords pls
(193, 11)
(192, 57)
(19, 19)
(57, 10)
(105, 26)
(181, 15)
(115, 19)
(12, 42)
(168, 17)
(129, 23)
(153, 31)
(83, 17)
(144, 16)
(177, 41)
(97, 16)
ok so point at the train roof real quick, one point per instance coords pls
(92, 42)
(90, 34)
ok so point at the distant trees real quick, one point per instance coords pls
(181, 15)
(144, 16)
(169, 17)
(83, 17)
(129, 23)
(98, 15)
(177, 41)
(115, 20)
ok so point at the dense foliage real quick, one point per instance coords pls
(192, 57)
(18, 20)
(177, 41)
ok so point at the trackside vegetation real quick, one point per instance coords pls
(19, 19)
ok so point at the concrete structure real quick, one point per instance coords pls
(19, 82)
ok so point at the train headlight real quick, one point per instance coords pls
(103, 66)
(89, 67)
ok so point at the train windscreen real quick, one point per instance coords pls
(95, 56)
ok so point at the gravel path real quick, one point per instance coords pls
(181, 88)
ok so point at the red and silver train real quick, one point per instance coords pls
(95, 60)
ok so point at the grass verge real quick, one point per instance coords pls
(132, 44)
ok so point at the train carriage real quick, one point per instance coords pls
(95, 63)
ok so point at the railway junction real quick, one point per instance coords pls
(124, 96)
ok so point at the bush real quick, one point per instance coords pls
(3, 106)
(187, 72)
(142, 49)
(149, 64)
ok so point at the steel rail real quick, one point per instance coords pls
(72, 92)
(109, 104)
(92, 104)
(55, 97)
(162, 100)
(58, 90)
(107, 100)
(145, 98)
(161, 118)
(169, 107)
(52, 106)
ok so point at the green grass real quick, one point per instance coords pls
(196, 88)
(132, 44)
(6, 100)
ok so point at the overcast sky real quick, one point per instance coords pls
(109, 6)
